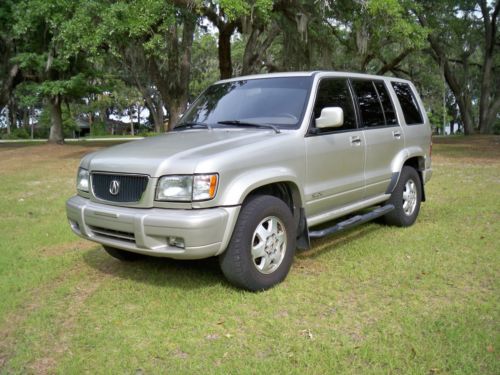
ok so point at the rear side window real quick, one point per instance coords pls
(369, 104)
(385, 99)
(408, 102)
(334, 92)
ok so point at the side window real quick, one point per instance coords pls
(408, 103)
(369, 104)
(334, 92)
(385, 99)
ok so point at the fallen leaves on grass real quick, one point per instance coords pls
(307, 334)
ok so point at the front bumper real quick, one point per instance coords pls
(205, 232)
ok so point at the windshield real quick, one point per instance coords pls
(274, 101)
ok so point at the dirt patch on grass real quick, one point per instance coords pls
(27, 157)
(61, 249)
(480, 149)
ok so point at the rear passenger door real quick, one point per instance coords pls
(412, 115)
(383, 135)
(335, 156)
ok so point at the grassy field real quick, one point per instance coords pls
(420, 300)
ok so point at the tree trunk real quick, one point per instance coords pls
(457, 86)
(139, 110)
(158, 118)
(488, 104)
(26, 118)
(225, 63)
(32, 125)
(173, 83)
(131, 122)
(9, 125)
(175, 110)
(56, 129)
(465, 107)
(258, 43)
(155, 112)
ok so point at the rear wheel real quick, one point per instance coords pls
(123, 255)
(262, 246)
(406, 199)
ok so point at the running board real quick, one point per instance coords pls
(352, 222)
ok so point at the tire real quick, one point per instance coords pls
(264, 227)
(123, 255)
(406, 198)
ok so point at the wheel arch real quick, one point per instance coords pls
(417, 162)
(289, 192)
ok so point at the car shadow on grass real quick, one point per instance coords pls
(162, 272)
(337, 241)
(195, 274)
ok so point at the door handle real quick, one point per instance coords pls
(396, 134)
(355, 140)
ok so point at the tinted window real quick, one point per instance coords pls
(408, 103)
(385, 99)
(277, 101)
(335, 93)
(369, 104)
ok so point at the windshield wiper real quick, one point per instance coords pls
(192, 124)
(252, 124)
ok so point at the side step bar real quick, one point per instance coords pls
(352, 222)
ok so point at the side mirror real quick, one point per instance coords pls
(331, 117)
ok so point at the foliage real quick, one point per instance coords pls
(18, 133)
(45, 122)
(147, 133)
(204, 64)
(98, 128)
(109, 57)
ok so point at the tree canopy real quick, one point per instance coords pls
(94, 61)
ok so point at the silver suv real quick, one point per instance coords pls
(254, 166)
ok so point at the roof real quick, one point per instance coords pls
(311, 74)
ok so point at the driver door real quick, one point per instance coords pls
(335, 156)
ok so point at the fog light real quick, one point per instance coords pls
(176, 242)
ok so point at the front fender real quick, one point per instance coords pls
(243, 184)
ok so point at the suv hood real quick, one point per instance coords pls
(172, 153)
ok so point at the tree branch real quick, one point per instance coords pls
(395, 62)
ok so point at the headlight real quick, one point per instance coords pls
(186, 188)
(175, 188)
(82, 180)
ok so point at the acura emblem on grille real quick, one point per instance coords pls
(114, 187)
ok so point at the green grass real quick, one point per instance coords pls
(420, 300)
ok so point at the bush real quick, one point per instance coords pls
(147, 133)
(97, 129)
(496, 127)
(18, 133)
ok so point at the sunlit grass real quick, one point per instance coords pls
(376, 299)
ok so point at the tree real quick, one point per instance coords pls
(467, 58)
(162, 32)
(50, 72)
(489, 102)
(10, 74)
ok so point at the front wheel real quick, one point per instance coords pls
(406, 199)
(262, 246)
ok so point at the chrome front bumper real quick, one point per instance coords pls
(204, 232)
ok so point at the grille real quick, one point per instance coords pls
(131, 187)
